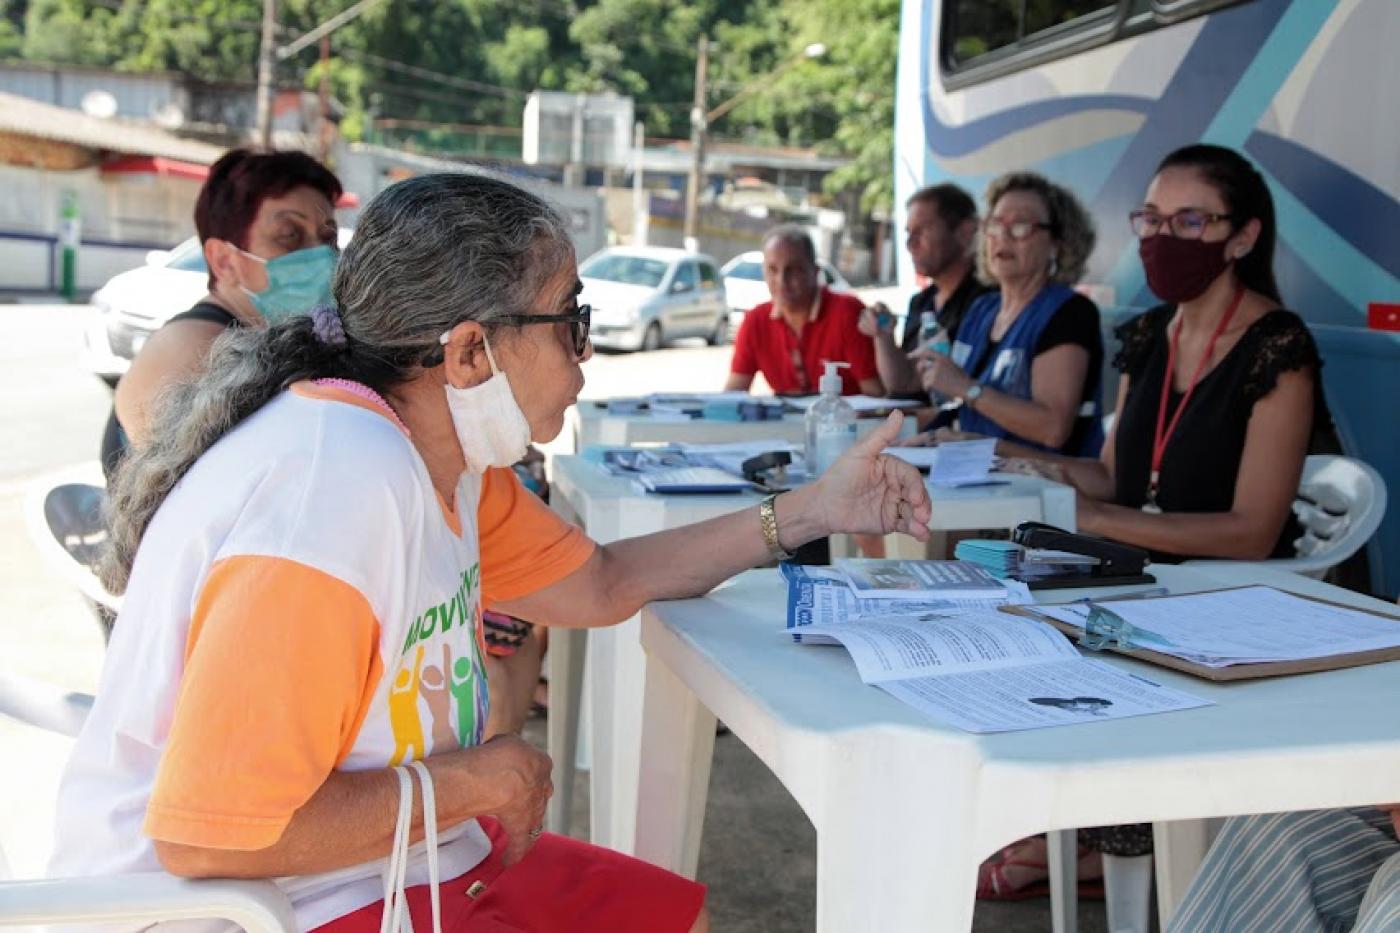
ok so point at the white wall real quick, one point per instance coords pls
(123, 216)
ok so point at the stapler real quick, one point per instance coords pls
(768, 470)
(1119, 564)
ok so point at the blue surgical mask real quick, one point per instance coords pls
(296, 283)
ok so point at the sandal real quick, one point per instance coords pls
(994, 885)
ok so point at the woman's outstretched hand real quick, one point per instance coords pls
(867, 491)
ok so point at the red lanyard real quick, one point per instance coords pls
(1163, 431)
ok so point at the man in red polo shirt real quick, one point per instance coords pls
(787, 339)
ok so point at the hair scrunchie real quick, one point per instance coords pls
(326, 323)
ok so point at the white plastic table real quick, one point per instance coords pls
(595, 426)
(905, 808)
(610, 508)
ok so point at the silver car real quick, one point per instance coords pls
(644, 297)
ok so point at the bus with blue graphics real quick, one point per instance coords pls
(1092, 93)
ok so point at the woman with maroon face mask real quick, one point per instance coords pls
(1218, 403)
(1219, 400)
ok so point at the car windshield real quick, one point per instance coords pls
(188, 257)
(629, 270)
(752, 271)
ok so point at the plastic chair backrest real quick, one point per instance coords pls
(73, 513)
(66, 524)
(1340, 504)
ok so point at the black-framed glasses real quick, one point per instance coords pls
(579, 321)
(1187, 224)
(1016, 230)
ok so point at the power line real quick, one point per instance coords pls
(438, 77)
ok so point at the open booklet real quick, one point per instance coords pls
(988, 671)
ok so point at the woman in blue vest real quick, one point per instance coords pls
(1027, 360)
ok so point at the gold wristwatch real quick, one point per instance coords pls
(768, 521)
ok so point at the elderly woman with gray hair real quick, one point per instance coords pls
(306, 545)
(1027, 358)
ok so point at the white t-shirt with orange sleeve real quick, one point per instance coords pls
(302, 601)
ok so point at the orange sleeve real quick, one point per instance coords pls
(525, 547)
(281, 663)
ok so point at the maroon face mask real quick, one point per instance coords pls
(1179, 270)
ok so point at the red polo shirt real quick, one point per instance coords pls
(792, 363)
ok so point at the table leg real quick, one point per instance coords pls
(567, 650)
(1179, 848)
(1062, 847)
(898, 857)
(678, 741)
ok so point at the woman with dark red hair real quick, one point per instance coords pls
(266, 221)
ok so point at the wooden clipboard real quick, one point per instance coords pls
(1234, 671)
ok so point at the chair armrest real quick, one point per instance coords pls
(149, 897)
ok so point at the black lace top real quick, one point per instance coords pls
(1202, 459)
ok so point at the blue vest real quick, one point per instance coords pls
(1009, 369)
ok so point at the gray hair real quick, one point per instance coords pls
(794, 235)
(428, 254)
(1071, 227)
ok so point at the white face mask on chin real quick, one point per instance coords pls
(490, 426)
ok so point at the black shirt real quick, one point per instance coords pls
(1202, 461)
(114, 441)
(950, 316)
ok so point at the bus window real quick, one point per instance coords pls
(1047, 14)
(980, 27)
(986, 39)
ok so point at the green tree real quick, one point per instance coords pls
(856, 80)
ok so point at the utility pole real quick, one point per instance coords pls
(323, 131)
(697, 146)
(640, 215)
(266, 57)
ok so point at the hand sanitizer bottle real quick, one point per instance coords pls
(831, 423)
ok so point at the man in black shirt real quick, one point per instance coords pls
(940, 227)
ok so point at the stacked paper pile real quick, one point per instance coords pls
(1007, 559)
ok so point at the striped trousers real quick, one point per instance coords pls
(1298, 873)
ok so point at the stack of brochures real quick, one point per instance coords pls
(900, 579)
(819, 596)
(689, 468)
(950, 654)
(955, 463)
(1005, 559)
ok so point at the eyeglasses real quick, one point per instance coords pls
(1016, 230)
(578, 320)
(1188, 224)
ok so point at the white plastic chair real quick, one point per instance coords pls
(1340, 503)
(1127, 885)
(139, 898)
(64, 513)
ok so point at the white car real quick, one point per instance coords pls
(136, 303)
(643, 297)
(744, 287)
